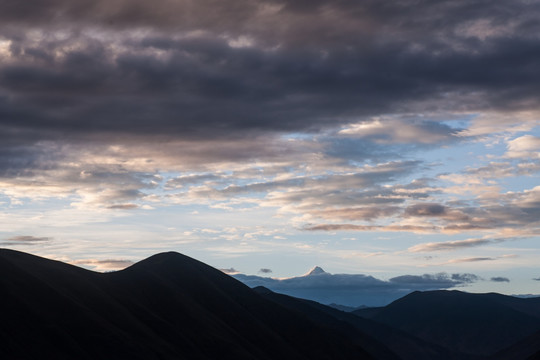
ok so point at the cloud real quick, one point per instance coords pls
(425, 281)
(537, 279)
(24, 240)
(500, 279)
(465, 278)
(123, 206)
(356, 289)
(434, 281)
(454, 245)
(229, 271)
(104, 265)
(256, 62)
(426, 210)
(265, 271)
(393, 130)
(352, 227)
(471, 259)
(321, 111)
(28, 238)
(527, 146)
(358, 213)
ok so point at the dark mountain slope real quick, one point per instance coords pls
(368, 313)
(529, 305)
(165, 307)
(328, 319)
(480, 324)
(526, 349)
(369, 334)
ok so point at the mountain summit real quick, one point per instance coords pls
(168, 306)
(316, 271)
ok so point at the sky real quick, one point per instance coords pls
(266, 137)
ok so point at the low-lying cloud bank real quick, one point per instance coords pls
(356, 289)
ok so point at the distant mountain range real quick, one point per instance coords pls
(170, 306)
(353, 290)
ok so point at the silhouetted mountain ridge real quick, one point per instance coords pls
(380, 338)
(168, 306)
(478, 324)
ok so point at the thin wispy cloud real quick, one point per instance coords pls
(471, 259)
(105, 264)
(25, 240)
(454, 245)
(230, 271)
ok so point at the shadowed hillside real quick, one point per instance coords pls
(480, 324)
(168, 306)
(402, 345)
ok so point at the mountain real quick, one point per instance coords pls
(346, 308)
(528, 348)
(354, 290)
(168, 306)
(316, 271)
(345, 289)
(373, 336)
(477, 324)
(324, 316)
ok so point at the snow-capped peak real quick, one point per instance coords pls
(316, 271)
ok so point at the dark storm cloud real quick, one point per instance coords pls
(19, 158)
(180, 84)
(500, 279)
(265, 271)
(210, 69)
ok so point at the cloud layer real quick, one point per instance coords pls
(330, 117)
(128, 68)
(356, 289)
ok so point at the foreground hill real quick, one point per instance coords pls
(477, 324)
(528, 348)
(168, 306)
(401, 344)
